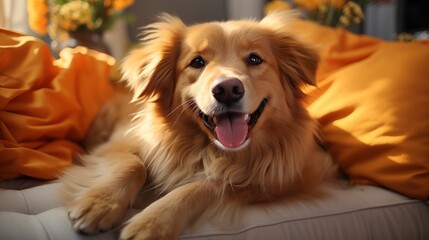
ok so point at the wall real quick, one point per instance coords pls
(190, 11)
(194, 11)
(14, 15)
(380, 20)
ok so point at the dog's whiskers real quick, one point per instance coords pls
(181, 105)
(195, 109)
(186, 105)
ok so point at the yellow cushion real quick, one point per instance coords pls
(373, 105)
(46, 105)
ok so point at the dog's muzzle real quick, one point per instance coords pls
(232, 129)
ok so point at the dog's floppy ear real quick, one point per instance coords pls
(150, 69)
(297, 61)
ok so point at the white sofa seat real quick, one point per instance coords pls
(347, 212)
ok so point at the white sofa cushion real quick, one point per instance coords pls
(347, 212)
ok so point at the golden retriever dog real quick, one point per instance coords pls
(220, 122)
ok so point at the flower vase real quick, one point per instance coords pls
(90, 39)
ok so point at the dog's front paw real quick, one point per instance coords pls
(93, 214)
(144, 228)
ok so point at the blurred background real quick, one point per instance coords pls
(384, 19)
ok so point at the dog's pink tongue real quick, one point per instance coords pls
(231, 129)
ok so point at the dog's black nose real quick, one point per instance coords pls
(228, 91)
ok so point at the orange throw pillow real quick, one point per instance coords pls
(373, 105)
(46, 105)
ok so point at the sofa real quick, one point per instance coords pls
(371, 104)
(32, 210)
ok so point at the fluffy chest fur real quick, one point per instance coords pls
(176, 151)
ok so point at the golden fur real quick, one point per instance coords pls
(168, 148)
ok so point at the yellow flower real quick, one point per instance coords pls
(356, 9)
(75, 14)
(344, 21)
(334, 13)
(38, 16)
(347, 12)
(405, 37)
(352, 13)
(308, 4)
(314, 4)
(275, 5)
(56, 16)
(119, 5)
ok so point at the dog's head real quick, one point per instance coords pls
(233, 79)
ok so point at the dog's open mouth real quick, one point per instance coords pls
(232, 129)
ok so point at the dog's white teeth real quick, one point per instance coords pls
(246, 117)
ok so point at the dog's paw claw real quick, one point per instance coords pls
(93, 215)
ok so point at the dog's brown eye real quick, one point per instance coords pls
(254, 59)
(197, 62)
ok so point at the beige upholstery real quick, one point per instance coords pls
(347, 212)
